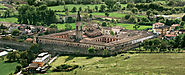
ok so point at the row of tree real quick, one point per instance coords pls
(36, 15)
(164, 45)
(24, 57)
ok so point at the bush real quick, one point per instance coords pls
(65, 68)
(127, 16)
(104, 24)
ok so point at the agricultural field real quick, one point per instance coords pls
(10, 20)
(137, 64)
(130, 26)
(70, 6)
(127, 26)
(62, 26)
(2, 6)
(7, 68)
(115, 14)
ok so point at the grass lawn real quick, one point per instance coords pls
(137, 64)
(11, 20)
(7, 68)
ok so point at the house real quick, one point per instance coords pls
(42, 59)
(174, 26)
(182, 31)
(160, 28)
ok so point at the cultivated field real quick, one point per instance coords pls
(10, 20)
(137, 64)
(70, 6)
(127, 26)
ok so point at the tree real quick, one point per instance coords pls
(67, 13)
(105, 52)
(183, 18)
(130, 5)
(15, 32)
(112, 33)
(18, 68)
(107, 14)
(182, 24)
(144, 19)
(148, 13)
(36, 15)
(134, 10)
(110, 4)
(96, 8)
(80, 9)
(68, 27)
(183, 42)
(91, 50)
(102, 8)
(53, 26)
(90, 16)
(136, 27)
(117, 6)
(132, 19)
(2, 27)
(35, 48)
(26, 57)
(13, 56)
(104, 24)
(171, 3)
(31, 2)
(127, 16)
(74, 9)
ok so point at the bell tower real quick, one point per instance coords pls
(79, 30)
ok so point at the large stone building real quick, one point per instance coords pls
(79, 40)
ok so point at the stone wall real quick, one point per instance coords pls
(15, 44)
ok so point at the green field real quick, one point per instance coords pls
(62, 26)
(2, 6)
(130, 26)
(127, 26)
(7, 68)
(11, 20)
(137, 64)
(63, 13)
(115, 14)
(70, 6)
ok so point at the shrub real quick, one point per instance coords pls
(65, 67)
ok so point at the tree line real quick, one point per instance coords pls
(36, 15)
(163, 45)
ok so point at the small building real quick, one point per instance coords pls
(42, 59)
(29, 40)
(117, 30)
(160, 28)
(173, 27)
